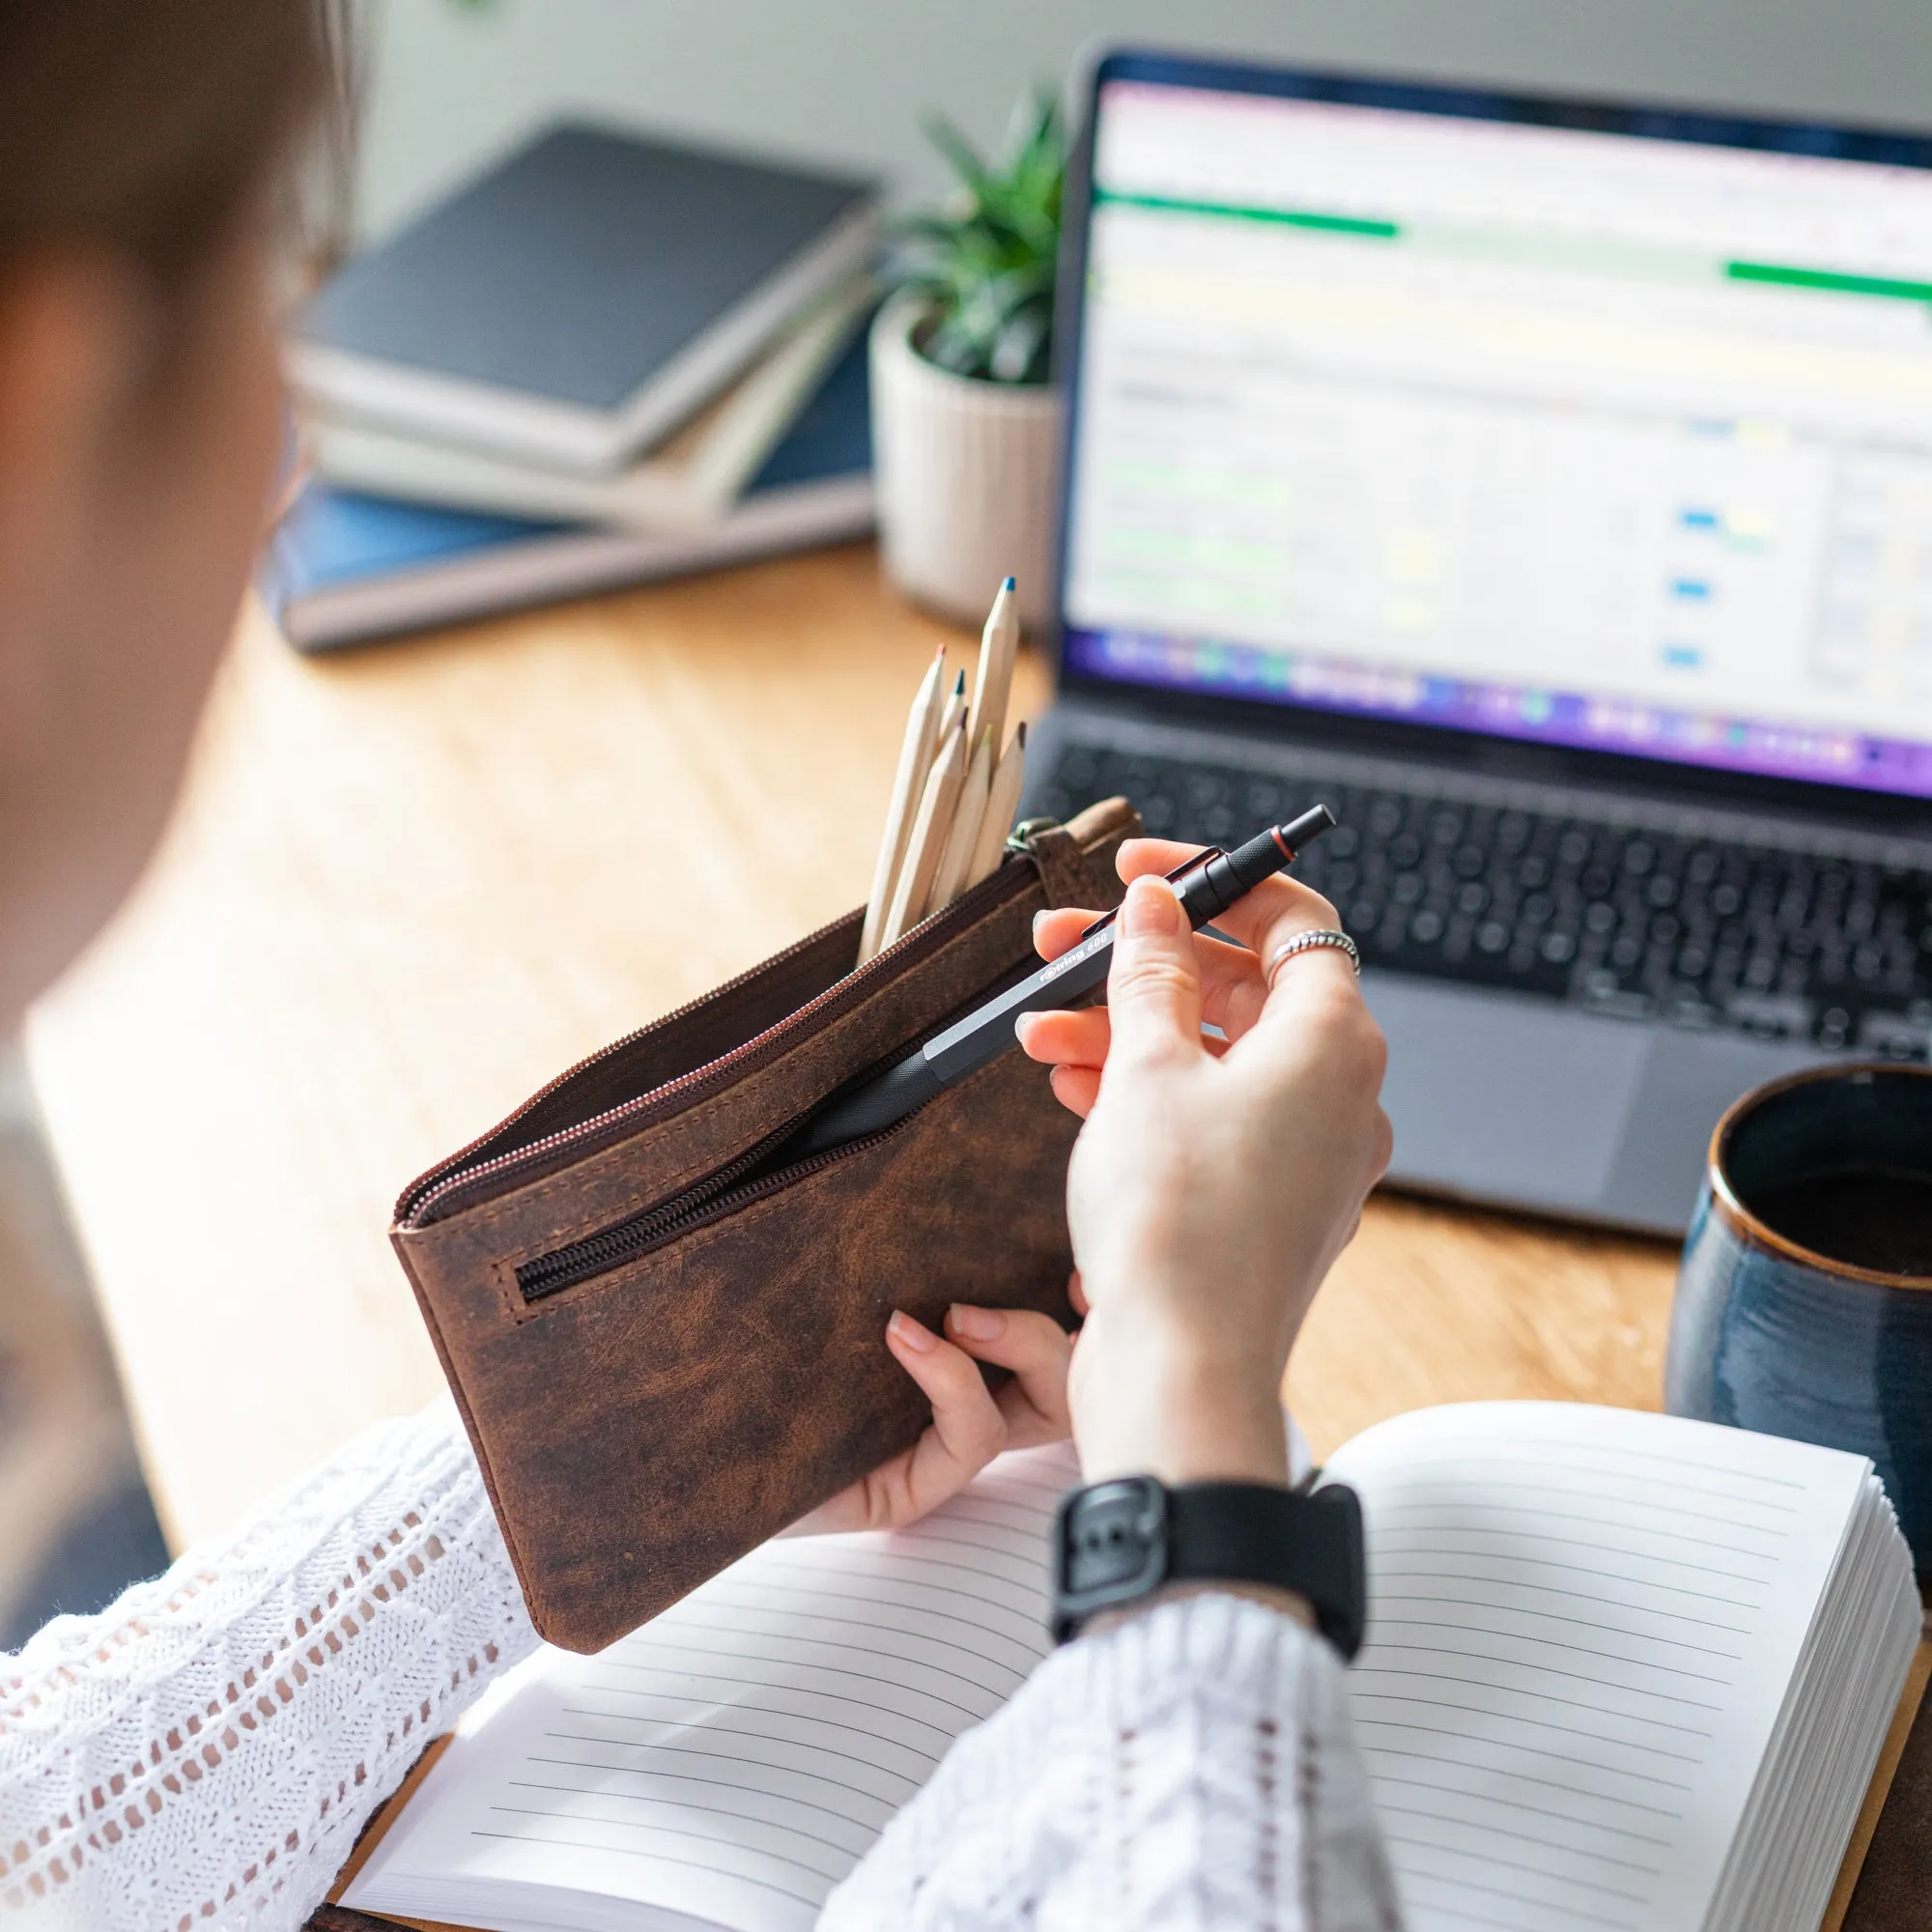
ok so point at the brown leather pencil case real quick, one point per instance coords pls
(666, 1340)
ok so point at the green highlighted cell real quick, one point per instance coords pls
(1783, 277)
(1568, 252)
(1279, 217)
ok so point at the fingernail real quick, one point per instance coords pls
(977, 1324)
(1150, 911)
(915, 1337)
(1022, 1026)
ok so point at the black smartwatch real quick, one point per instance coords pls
(1117, 1542)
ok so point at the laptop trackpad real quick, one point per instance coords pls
(1506, 1098)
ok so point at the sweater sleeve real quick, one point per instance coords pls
(203, 1753)
(1192, 1769)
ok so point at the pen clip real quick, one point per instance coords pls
(1180, 871)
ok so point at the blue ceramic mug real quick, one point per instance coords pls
(1804, 1295)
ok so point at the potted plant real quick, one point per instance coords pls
(965, 423)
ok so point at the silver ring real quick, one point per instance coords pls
(1309, 942)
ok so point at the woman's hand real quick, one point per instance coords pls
(1211, 1190)
(1214, 1181)
(970, 1424)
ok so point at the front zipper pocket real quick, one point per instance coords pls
(735, 1186)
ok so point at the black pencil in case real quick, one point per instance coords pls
(1207, 886)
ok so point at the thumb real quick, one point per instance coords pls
(1153, 988)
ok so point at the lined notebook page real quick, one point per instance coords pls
(731, 1761)
(1583, 1623)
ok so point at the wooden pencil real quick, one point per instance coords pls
(922, 736)
(963, 841)
(1003, 801)
(925, 847)
(993, 681)
(952, 719)
(955, 710)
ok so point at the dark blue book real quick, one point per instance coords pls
(584, 297)
(344, 568)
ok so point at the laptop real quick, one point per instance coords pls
(1546, 486)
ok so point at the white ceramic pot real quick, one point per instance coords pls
(966, 477)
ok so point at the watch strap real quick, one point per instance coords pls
(1308, 1541)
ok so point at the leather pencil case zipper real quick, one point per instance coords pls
(712, 1199)
(464, 1180)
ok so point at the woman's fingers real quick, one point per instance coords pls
(1077, 1088)
(1057, 930)
(970, 1426)
(966, 1433)
(1232, 996)
(1275, 911)
(1233, 991)
(1068, 1037)
(1153, 984)
(1060, 927)
(1250, 919)
(1074, 1044)
(1136, 857)
(1038, 1350)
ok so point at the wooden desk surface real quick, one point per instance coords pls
(408, 886)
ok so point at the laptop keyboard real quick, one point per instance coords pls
(1622, 919)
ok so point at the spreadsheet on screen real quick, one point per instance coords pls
(1569, 435)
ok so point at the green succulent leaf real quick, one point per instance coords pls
(960, 151)
(983, 265)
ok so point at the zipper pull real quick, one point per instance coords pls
(1061, 865)
(1020, 838)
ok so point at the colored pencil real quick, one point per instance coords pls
(925, 847)
(1003, 801)
(922, 736)
(963, 841)
(992, 685)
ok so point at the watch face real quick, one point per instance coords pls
(1113, 1539)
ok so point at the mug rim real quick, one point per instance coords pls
(1745, 1222)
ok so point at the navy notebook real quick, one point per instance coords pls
(344, 568)
(581, 298)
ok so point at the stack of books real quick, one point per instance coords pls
(606, 360)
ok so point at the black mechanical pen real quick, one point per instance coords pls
(1209, 884)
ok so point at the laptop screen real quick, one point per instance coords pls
(1428, 406)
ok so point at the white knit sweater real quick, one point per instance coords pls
(202, 1754)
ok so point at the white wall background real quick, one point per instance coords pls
(848, 81)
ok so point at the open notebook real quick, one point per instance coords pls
(1624, 1673)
